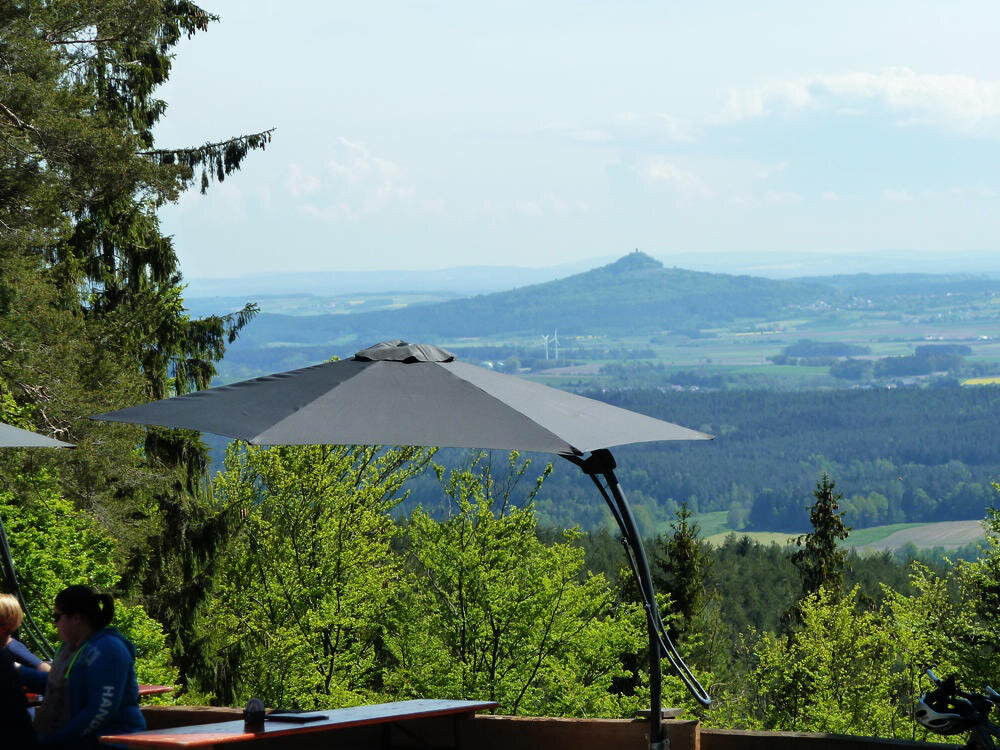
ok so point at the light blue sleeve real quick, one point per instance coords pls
(21, 654)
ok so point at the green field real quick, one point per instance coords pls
(875, 534)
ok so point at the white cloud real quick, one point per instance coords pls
(355, 184)
(771, 170)
(830, 195)
(545, 205)
(574, 132)
(951, 101)
(684, 182)
(973, 191)
(961, 192)
(656, 125)
(781, 198)
(762, 101)
(623, 127)
(897, 196)
(299, 183)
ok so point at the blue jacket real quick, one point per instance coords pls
(103, 689)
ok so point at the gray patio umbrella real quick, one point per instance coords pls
(15, 437)
(396, 393)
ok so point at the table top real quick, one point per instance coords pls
(225, 732)
(155, 689)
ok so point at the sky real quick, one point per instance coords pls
(424, 135)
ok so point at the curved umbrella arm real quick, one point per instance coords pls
(601, 462)
(11, 585)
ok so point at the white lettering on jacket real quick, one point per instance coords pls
(107, 700)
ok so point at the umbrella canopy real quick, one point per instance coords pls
(396, 393)
(405, 394)
(14, 437)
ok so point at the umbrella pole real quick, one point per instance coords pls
(657, 736)
(602, 462)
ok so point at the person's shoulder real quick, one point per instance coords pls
(107, 642)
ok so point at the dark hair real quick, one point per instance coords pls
(96, 608)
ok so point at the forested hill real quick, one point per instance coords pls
(635, 293)
(897, 456)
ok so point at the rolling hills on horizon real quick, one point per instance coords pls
(636, 293)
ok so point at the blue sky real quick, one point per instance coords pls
(435, 134)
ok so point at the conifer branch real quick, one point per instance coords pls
(18, 122)
(217, 159)
(96, 40)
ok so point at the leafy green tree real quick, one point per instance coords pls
(55, 545)
(493, 613)
(819, 560)
(980, 584)
(307, 576)
(835, 674)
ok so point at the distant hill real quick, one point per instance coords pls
(631, 295)
(891, 287)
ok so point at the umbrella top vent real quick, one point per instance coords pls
(402, 351)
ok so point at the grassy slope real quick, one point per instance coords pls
(947, 534)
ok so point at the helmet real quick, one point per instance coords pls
(943, 713)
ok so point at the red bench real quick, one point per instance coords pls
(35, 699)
(228, 732)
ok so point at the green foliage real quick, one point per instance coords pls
(836, 674)
(493, 613)
(53, 546)
(852, 668)
(980, 583)
(855, 666)
(307, 577)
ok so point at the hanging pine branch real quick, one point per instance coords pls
(217, 160)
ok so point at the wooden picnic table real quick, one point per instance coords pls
(228, 732)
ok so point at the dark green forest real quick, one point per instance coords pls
(901, 455)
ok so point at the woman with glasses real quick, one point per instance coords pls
(91, 689)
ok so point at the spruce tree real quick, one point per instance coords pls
(681, 568)
(819, 560)
(91, 308)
